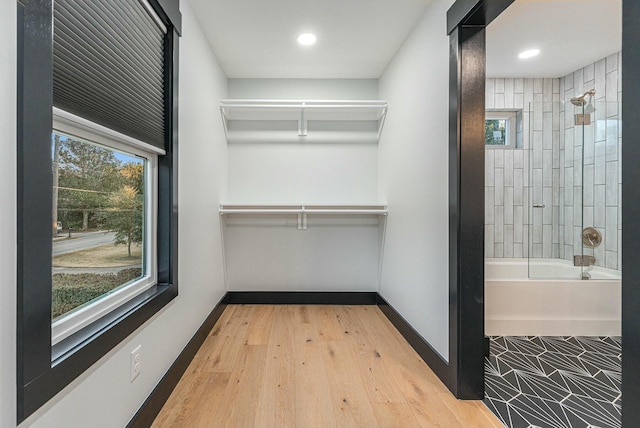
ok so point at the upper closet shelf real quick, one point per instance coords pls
(303, 209)
(302, 121)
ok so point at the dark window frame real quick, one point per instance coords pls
(38, 377)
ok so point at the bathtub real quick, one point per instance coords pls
(516, 305)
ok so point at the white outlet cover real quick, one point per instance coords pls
(136, 362)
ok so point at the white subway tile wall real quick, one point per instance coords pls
(558, 165)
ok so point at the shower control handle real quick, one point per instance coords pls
(591, 237)
(538, 205)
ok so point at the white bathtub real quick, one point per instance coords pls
(518, 306)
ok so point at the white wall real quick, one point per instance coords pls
(413, 178)
(334, 255)
(104, 395)
(325, 257)
(303, 173)
(296, 173)
(299, 89)
(8, 214)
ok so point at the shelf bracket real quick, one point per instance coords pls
(302, 219)
(302, 123)
(224, 122)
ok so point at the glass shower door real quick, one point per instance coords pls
(574, 189)
(601, 234)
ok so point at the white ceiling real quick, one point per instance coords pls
(569, 33)
(358, 38)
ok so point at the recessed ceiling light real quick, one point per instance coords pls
(529, 53)
(307, 39)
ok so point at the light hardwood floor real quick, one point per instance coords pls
(312, 366)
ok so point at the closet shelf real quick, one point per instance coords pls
(355, 213)
(304, 209)
(303, 121)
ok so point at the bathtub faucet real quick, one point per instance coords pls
(584, 260)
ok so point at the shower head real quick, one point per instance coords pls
(580, 100)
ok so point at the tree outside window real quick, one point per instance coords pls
(99, 195)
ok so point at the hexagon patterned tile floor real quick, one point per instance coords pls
(555, 382)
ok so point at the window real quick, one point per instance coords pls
(500, 129)
(96, 80)
(104, 197)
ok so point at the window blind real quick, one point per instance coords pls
(108, 66)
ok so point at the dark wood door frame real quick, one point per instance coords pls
(466, 200)
(466, 23)
(630, 213)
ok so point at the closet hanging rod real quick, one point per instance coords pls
(235, 101)
(306, 105)
(378, 110)
(258, 211)
(296, 105)
(346, 211)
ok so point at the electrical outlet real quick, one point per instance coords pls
(136, 362)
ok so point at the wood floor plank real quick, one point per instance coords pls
(276, 405)
(314, 407)
(329, 329)
(238, 405)
(373, 357)
(470, 412)
(421, 394)
(395, 415)
(195, 403)
(351, 404)
(220, 349)
(385, 334)
(313, 366)
(261, 319)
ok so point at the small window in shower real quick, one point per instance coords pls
(500, 129)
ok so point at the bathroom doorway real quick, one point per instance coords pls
(553, 228)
